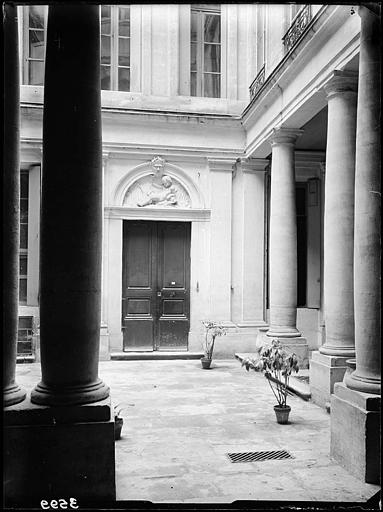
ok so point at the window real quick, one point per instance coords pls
(205, 56)
(301, 208)
(35, 35)
(115, 46)
(24, 335)
(23, 255)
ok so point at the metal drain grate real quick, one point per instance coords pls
(259, 456)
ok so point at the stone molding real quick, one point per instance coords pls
(341, 82)
(221, 164)
(172, 214)
(251, 165)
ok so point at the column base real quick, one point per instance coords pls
(53, 453)
(325, 371)
(329, 350)
(362, 384)
(70, 395)
(275, 332)
(13, 394)
(355, 432)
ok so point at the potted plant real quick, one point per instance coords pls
(212, 330)
(118, 422)
(277, 365)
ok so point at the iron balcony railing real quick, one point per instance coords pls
(257, 83)
(297, 28)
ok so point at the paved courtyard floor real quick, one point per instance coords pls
(181, 421)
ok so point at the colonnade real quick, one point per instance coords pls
(70, 282)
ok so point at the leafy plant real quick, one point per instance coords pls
(277, 365)
(212, 330)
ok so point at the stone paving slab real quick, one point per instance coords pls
(181, 421)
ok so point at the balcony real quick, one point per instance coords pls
(257, 83)
(297, 28)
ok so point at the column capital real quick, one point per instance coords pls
(370, 9)
(283, 135)
(341, 82)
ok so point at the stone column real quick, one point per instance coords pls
(355, 404)
(12, 393)
(329, 364)
(367, 245)
(71, 210)
(283, 243)
(339, 215)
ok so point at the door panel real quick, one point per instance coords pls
(156, 285)
(138, 286)
(174, 279)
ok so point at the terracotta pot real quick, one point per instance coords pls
(206, 362)
(282, 414)
(118, 422)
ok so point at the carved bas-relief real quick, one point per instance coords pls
(157, 190)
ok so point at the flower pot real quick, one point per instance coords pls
(118, 422)
(282, 413)
(206, 362)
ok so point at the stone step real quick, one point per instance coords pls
(299, 383)
(155, 355)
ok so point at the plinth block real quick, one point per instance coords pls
(48, 456)
(355, 432)
(325, 371)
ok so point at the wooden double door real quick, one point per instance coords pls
(155, 285)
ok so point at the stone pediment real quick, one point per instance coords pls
(157, 190)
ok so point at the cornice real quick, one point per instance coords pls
(175, 214)
(221, 164)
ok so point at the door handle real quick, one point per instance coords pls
(159, 294)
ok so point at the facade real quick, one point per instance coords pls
(240, 183)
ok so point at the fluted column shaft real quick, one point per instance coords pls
(71, 210)
(283, 236)
(12, 393)
(339, 216)
(367, 244)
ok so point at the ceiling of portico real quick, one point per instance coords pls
(314, 134)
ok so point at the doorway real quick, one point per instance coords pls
(155, 285)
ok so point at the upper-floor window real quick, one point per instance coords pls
(115, 46)
(35, 24)
(205, 56)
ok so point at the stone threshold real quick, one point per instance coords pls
(155, 355)
(21, 359)
(296, 386)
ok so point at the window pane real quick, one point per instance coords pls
(194, 26)
(23, 210)
(193, 57)
(123, 52)
(212, 28)
(36, 44)
(105, 19)
(24, 182)
(105, 78)
(124, 21)
(123, 79)
(23, 266)
(212, 61)
(193, 84)
(36, 73)
(105, 50)
(24, 236)
(23, 290)
(212, 85)
(36, 16)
